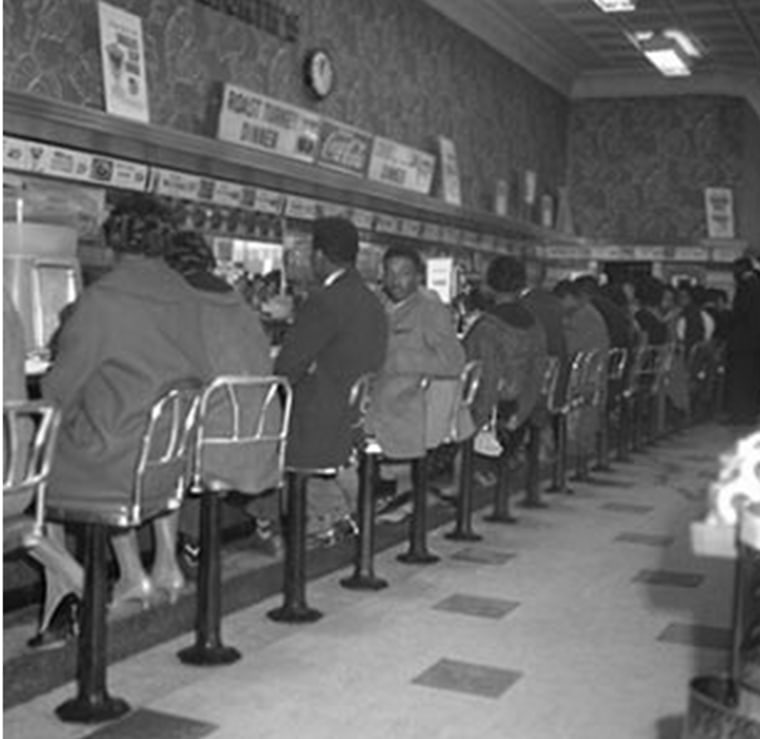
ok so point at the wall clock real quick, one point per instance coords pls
(319, 73)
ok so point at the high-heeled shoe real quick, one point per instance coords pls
(143, 592)
(171, 585)
(60, 622)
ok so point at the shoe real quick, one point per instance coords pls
(170, 585)
(62, 624)
(268, 543)
(142, 593)
(188, 556)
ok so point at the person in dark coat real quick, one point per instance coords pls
(743, 347)
(619, 323)
(649, 295)
(339, 334)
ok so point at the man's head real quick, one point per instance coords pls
(403, 271)
(742, 267)
(588, 286)
(535, 273)
(140, 224)
(570, 294)
(506, 275)
(335, 244)
(684, 295)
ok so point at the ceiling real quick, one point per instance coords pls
(583, 52)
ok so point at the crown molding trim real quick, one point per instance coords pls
(720, 82)
(503, 32)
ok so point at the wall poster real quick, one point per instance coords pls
(122, 59)
(719, 208)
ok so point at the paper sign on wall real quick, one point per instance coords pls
(719, 207)
(123, 62)
(450, 187)
(440, 277)
(530, 186)
(401, 166)
(260, 122)
(501, 198)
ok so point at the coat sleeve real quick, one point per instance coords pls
(80, 351)
(445, 355)
(535, 369)
(315, 326)
(480, 346)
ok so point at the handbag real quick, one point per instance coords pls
(486, 441)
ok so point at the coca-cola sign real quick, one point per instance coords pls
(343, 148)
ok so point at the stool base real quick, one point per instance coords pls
(463, 536)
(503, 518)
(294, 615)
(413, 558)
(199, 654)
(364, 582)
(87, 711)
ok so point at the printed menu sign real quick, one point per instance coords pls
(123, 63)
(259, 122)
(401, 166)
(343, 147)
(719, 205)
(450, 189)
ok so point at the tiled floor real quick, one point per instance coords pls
(583, 621)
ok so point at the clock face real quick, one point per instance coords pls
(320, 73)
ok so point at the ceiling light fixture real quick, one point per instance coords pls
(616, 6)
(672, 52)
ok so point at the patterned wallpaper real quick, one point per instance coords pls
(638, 167)
(404, 71)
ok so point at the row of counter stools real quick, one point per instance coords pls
(627, 390)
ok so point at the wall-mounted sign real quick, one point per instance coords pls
(501, 198)
(431, 231)
(401, 166)
(228, 193)
(449, 167)
(263, 14)
(328, 209)
(470, 239)
(411, 228)
(719, 209)
(123, 62)
(387, 224)
(259, 122)
(439, 277)
(547, 211)
(269, 201)
(304, 209)
(450, 235)
(530, 186)
(690, 254)
(343, 147)
(362, 219)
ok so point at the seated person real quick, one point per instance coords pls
(136, 331)
(235, 344)
(406, 419)
(511, 344)
(63, 575)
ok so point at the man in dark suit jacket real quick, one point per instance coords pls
(339, 334)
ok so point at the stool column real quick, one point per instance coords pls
(418, 552)
(364, 577)
(208, 648)
(463, 530)
(93, 704)
(294, 608)
(532, 471)
(501, 510)
(559, 473)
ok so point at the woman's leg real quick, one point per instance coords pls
(133, 582)
(166, 573)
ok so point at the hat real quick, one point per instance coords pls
(337, 238)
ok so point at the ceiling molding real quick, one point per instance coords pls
(502, 31)
(616, 85)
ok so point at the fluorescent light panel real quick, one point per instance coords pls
(616, 6)
(671, 51)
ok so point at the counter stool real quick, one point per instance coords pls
(249, 411)
(663, 375)
(617, 358)
(368, 452)
(469, 382)
(591, 396)
(626, 430)
(158, 488)
(295, 609)
(560, 408)
(532, 471)
(646, 368)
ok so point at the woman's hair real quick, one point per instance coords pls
(506, 275)
(140, 224)
(188, 252)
